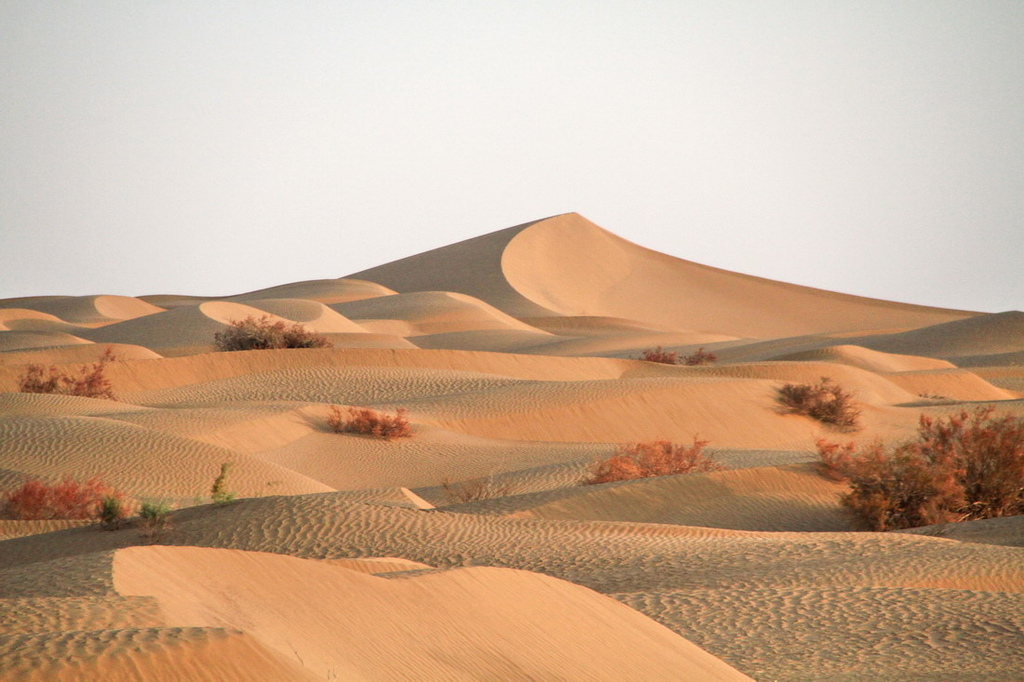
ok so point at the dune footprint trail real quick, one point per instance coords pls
(473, 548)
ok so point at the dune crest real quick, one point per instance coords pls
(566, 265)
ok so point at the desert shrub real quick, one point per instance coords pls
(699, 357)
(154, 519)
(89, 382)
(654, 458)
(366, 422)
(474, 490)
(665, 357)
(112, 512)
(68, 499)
(219, 491)
(969, 465)
(264, 333)
(154, 511)
(825, 401)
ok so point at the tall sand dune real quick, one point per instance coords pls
(566, 265)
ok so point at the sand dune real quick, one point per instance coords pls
(993, 334)
(77, 354)
(1007, 531)
(473, 549)
(87, 310)
(328, 291)
(872, 361)
(28, 340)
(128, 654)
(140, 461)
(852, 631)
(187, 330)
(131, 377)
(743, 569)
(23, 319)
(792, 498)
(522, 270)
(433, 312)
(313, 315)
(497, 623)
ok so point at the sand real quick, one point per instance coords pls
(473, 549)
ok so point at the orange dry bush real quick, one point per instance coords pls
(90, 382)
(264, 333)
(965, 466)
(365, 422)
(699, 358)
(68, 499)
(653, 458)
(825, 401)
(665, 357)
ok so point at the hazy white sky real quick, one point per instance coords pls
(212, 148)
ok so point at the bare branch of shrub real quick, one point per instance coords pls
(89, 382)
(474, 490)
(653, 458)
(965, 466)
(366, 422)
(699, 357)
(264, 333)
(665, 357)
(824, 401)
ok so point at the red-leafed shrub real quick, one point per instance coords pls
(665, 357)
(68, 499)
(965, 466)
(699, 357)
(365, 422)
(89, 382)
(654, 458)
(825, 401)
(264, 333)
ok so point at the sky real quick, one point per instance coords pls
(214, 148)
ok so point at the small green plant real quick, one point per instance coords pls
(366, 422)
(824, 401)
(112, 512)
(264, 333)
(219, 491)
(653, 458)
(154, 519)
